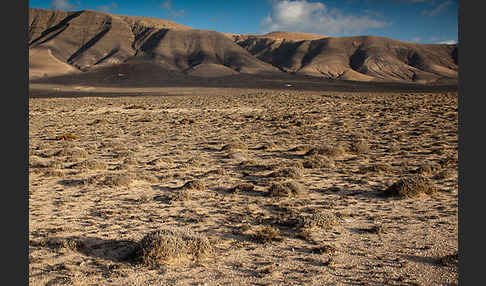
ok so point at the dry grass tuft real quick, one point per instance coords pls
(329, 151)
(89, 165)
(375, 229)
(172, 246)
(288, 164)
(446, 174)
(38, 162)
(186, 191)
(72, 152)
(449, 260)
(266, 234)
(376, 168)
(286, 189)
(98, 121)
(71, 244)
(252, 165)
(288, 172)
(324, 249)
(66, 136)
(193, 185)
(181, 195)
(429, 169)
(268, 270)
(359, 147)
(118, 180)
(448, 162)
(53, 172)
(411, 187)
(318, 162)
(318, 220)
(242, 188)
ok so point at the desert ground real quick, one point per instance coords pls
(235, 186)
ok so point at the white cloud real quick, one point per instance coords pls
(109, 7)
(167, 5)
(448, 42)
(177, 14)
(315, 17)
(416, 40)
(439, 9)
(62, 5)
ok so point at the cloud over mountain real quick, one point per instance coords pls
(315, 17)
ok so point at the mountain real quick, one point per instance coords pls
(90, 45)
(364, 58)
(89, 41)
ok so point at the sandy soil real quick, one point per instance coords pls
(116, 174)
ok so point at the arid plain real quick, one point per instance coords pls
(161, 154)
(274, 187)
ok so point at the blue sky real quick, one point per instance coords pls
(421, 21)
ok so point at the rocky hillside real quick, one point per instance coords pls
(365, 58)
(84, 42)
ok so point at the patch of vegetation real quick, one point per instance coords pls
(324, 249)
(286, 189)
(411, 187)
(171, 246)
(193, 185)
(118, 180)
(244, 187)
(89, 165)
(318, 161)
(359, 147)
(38, 162)
(66, 136)
(449, 260)
(288, 172)
(318, 220)
(288, 164)
(72, 152)
(446, 174)
(376, 168)
(329, 151)
(428, 169)
(266, 234)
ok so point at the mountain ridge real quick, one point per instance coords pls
(90, 41)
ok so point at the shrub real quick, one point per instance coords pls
(428, 169)
(449, 260)
(171, 246)
(66, 136)
(242, 188)
(376, 168)
(318, 162)
(329, 151)
(359, 147)
(266, 234)
(286, 189)
(72, 152)
(118, 180)
(89, 165)
(318, 220)
(193, 185)
(289, 172)
(411, 187)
